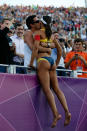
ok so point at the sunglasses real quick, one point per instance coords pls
(20, 29)
(37, 21)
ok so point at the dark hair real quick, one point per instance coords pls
(48, 30)
(29, 20)
(61, 40)
(78, 40)
(17, 24)
(69, 41)
(53, 22)
(4, 19)
(55, 32)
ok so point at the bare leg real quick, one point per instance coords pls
(60, 95)
(44, 77)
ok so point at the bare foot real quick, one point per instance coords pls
(67, 118)
(58, 117)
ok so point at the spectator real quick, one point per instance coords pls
(77, 59)
(4, 46)
(69, 22)
(83, 34)
(61, 64)
(18, 59)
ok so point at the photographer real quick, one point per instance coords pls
(5, 52)
(77, 59)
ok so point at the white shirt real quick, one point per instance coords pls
(68, 49)
(27, 56)
(19, 42)
(61, 62)
(13, 36)
(83, 36)
(54, 56)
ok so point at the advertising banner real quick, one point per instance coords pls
(23, 106)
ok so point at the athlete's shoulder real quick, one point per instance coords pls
(28, 32)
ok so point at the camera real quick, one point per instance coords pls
(10, 43)
(76, 54)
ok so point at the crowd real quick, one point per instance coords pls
(69, 25)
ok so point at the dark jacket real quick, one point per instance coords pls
(4, 47)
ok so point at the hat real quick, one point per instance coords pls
(46, 20)
(43, 21)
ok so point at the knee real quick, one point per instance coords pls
(57, 90)
(47, 91)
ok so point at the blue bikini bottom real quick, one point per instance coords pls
(49, 59)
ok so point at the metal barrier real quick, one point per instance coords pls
(73, 73)
(12, 70)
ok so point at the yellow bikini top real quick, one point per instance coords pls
(46, 40)
(43, 29)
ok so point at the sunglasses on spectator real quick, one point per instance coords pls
(20, 29)
(37, 21)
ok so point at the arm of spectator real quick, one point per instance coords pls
(69, 61)
(20, 55)
(59, 51)
(83, 60)
(63, 52)
(68, 45)
(63, 49)
(15, 53)
(13, 47)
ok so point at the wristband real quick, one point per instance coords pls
(37, 37)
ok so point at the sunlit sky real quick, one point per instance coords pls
(56, 3)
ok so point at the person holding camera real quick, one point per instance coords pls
(77, 59)
(5, 40)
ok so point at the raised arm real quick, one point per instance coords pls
(35, 49)
(59, 51)
(75, 57)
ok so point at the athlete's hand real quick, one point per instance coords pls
(31, 67)
(49, 50)
(43, 44)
